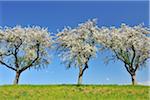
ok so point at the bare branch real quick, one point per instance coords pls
(3, 63)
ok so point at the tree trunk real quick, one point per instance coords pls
(133, 79)
(80, 76)
(17, 78)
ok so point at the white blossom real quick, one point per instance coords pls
(27, 38)
(76, 45)
(129, 44)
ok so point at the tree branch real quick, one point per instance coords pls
(125, 64)
(18, 45)
(136, 67)
(85, 67)
(119, 57)
(28, 66)
(16, 52)
(3, 63)
(6, 54)
(134, 54)
(127, 68)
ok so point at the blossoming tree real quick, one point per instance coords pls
(130, 45)
(76, 46)
(24, 47)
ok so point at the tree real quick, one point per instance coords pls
(131, 45)
(23, 48)
(76, 46)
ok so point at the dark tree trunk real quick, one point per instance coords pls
(17, 78)
(133, 79)
(80, 76)
(132, 72)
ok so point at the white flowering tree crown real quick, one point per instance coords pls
(76, 46)
(24, 47)
(131, 45)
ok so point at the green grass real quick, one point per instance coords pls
(74, 92)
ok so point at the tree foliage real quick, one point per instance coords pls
(76, 46)
(24, 47)
(131, 45)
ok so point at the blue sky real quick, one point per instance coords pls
(56, 15)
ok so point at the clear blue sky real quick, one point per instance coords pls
(56, 15)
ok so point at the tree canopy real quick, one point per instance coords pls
(129, 44)
(77, 45)
(24, 47)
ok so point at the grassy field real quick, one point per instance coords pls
(73, 92)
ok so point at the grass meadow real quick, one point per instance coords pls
(74, 92)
